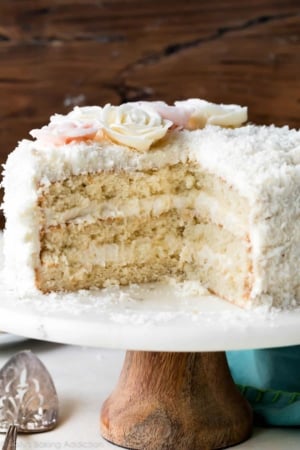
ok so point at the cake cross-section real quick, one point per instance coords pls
(145, 192)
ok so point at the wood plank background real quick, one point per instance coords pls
(55, 54)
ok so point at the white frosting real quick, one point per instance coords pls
(203, 113)
(136, 126)
(80, 123)
(261, 163)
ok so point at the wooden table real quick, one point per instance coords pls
(55, 54)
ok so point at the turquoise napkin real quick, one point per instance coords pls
(270, 380)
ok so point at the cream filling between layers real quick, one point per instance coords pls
(139, 251)
(202, 205)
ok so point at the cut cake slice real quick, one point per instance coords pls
(146, 191)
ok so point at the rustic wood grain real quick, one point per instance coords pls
(182, 401)
(58, 53)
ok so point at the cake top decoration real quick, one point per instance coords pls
(136, 125)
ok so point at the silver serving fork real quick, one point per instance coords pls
(11, 438)
(28, 399)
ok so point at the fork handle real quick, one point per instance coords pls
(11, 438)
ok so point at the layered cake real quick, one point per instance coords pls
(146, 192)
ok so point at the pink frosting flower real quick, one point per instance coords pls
(176, 114)
(66, 132)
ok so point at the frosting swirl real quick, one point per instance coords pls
(203, 112)
(134, 125)
(80, 123)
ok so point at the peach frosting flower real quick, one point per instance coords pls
(80, 124)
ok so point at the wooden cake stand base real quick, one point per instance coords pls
(175, 401)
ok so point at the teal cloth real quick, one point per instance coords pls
(270, 380)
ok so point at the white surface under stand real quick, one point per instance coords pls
(151, 318)
(83, 378)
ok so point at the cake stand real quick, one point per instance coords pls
(175, 390)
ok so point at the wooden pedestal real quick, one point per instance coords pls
(175, 401)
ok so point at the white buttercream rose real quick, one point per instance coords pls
(203, 112)
(134, 125)
(85, 114)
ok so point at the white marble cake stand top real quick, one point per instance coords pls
(158, 317)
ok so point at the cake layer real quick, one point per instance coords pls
(220, 260)
(80, 255)
(75, 256)
(181, 215)
(52, 279)
(89, 197)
